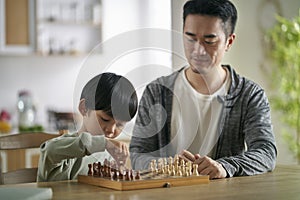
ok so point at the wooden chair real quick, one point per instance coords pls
(22, 141)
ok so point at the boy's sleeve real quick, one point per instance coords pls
(72, 146)
(60, 157)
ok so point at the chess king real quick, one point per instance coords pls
(206, 112)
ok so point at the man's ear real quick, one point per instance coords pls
(230, 41)
(81, 107)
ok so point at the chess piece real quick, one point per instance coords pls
(113, 173)
(178, 172)
(173, 173)
(99, 169)
(127, 176)
(121, 171)
(104, 169)
(121, 175)
(182, 162)
(131, 175)
(137, 176)
(170, 161)
(95, 169)
(161, 169)
(90, 172)
(183, 170)
(195, 170)
(189, 168)
(165, 161)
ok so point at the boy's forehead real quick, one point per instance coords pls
(108, 116)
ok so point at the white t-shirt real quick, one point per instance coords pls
(195, 117)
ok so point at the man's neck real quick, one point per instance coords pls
(206, 83)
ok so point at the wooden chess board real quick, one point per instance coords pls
(155, 182)
(162, 173)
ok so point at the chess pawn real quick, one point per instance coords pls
(167, 170)
(90, 172)
(178, 172)
(182, 162)
(115, 174)
(170, 161)
(154, 165)
(161, 169)
(104, 170)
(182, 167)
(121, 175)
(189, 168)
(187, 172)
(165, 161)
(160, 161)
(173, 173)
(101, 171)
(195, 170)
(127, 176)
(137, 176)
(176, 160)
(131, 175)
(121, 172)
(95, 169)
(151, 167)
(105, 162)
(108, 170)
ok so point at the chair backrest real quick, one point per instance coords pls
(22, 141)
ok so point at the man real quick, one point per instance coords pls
(206, 112)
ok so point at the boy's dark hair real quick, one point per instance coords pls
(222, 9)
(113, 94)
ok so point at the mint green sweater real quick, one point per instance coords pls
(64, 157)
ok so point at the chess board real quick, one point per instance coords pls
(148, 183)
(166, 173)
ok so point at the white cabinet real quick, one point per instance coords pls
(17, 27)
(50, 27)
(68, 27)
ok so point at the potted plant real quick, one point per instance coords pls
(283, 42)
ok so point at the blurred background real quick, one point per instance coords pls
(50, 48)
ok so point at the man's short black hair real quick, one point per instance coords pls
(222, 9)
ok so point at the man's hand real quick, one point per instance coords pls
(206, 165)
(118, 150)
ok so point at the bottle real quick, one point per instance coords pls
(26, 110)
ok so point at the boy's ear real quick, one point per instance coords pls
(81, 107)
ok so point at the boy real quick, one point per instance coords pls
(107, 102)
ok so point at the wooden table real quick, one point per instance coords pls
(283, 183)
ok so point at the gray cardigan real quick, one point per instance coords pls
(245, 120)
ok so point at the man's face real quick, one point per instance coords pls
(205, 42)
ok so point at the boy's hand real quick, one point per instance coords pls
(118, 150)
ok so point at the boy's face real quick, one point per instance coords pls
(97, 122)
